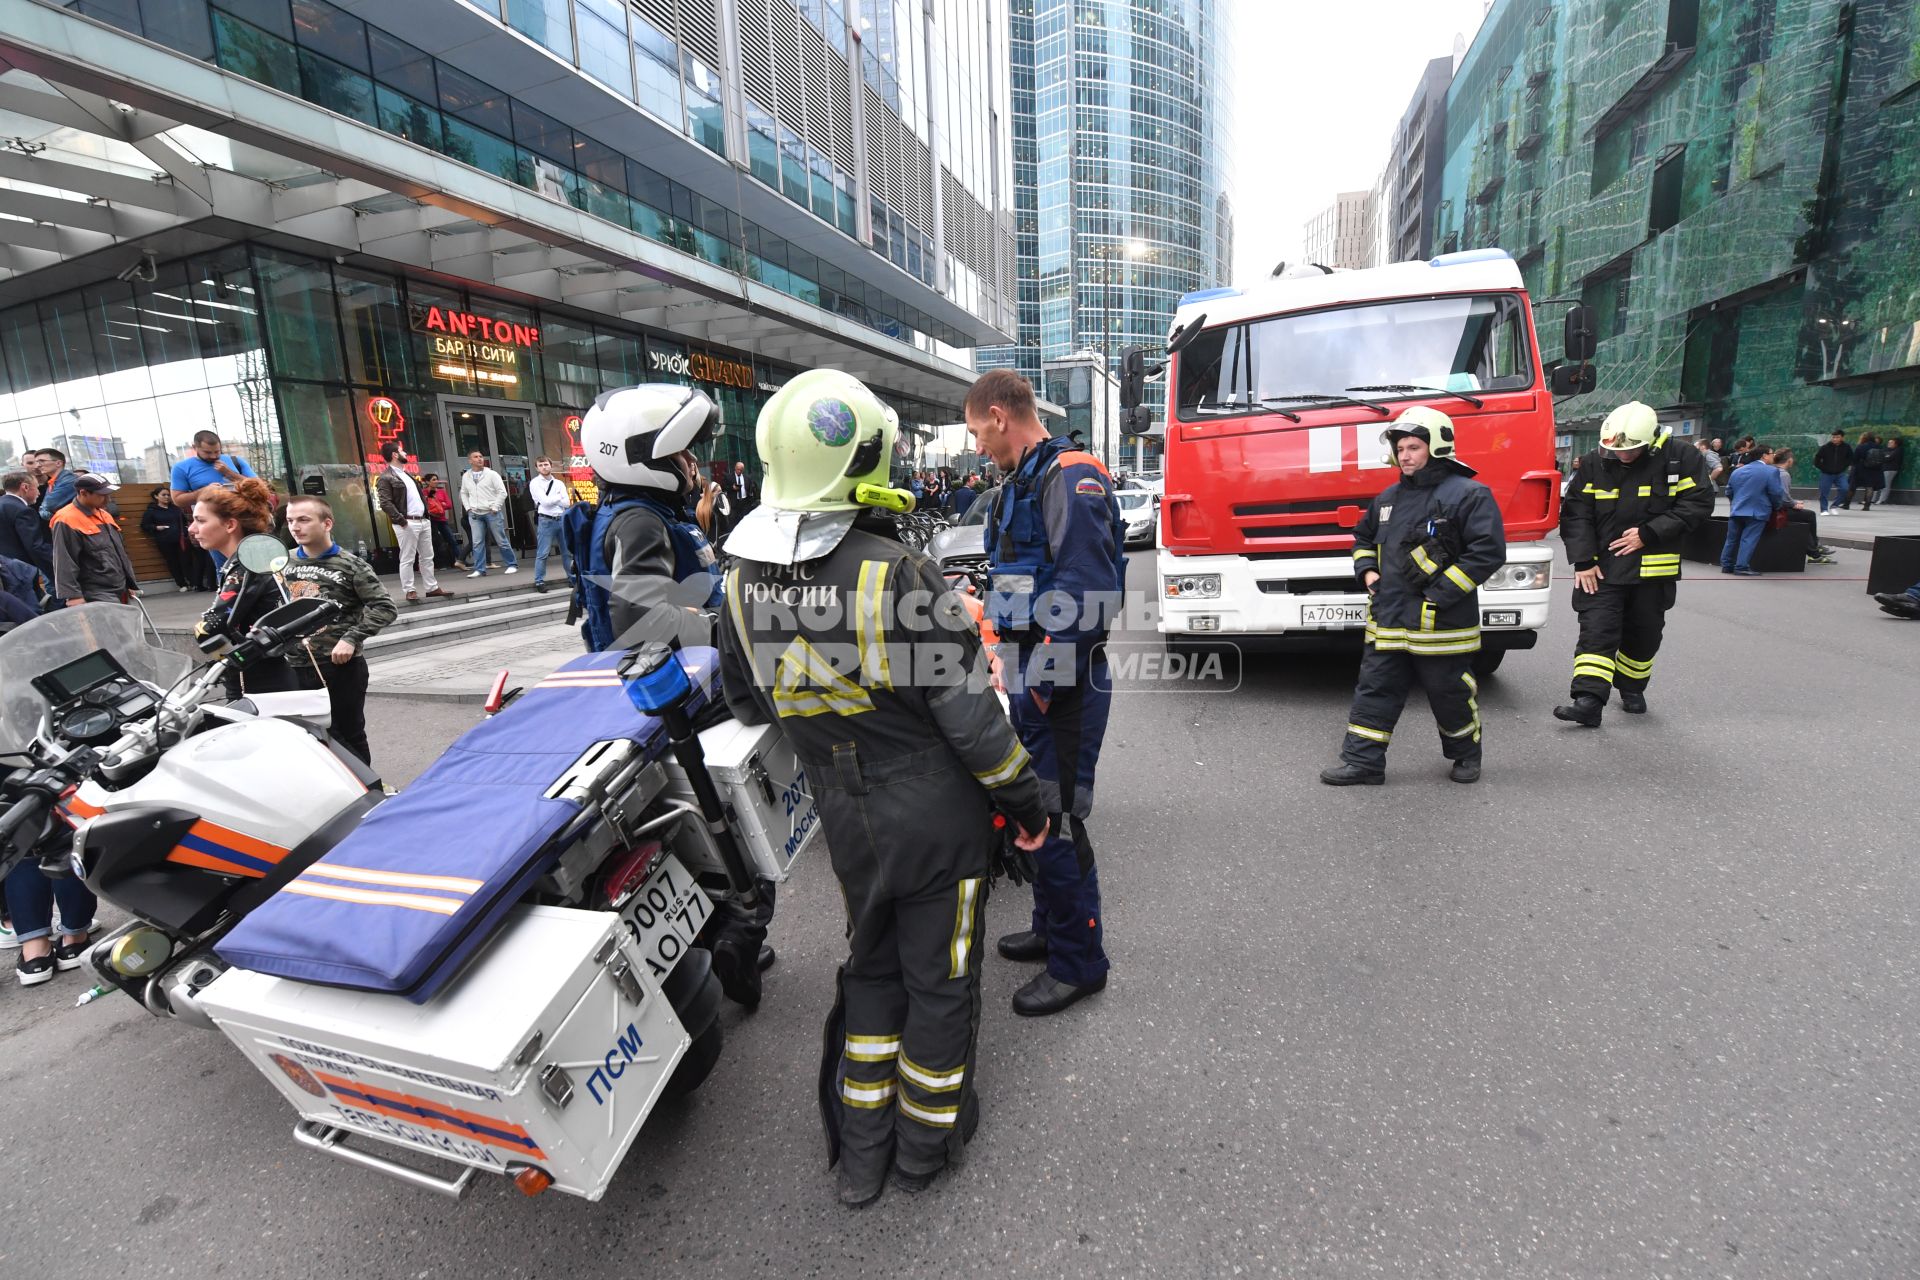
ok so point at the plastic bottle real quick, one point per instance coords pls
(360, 548)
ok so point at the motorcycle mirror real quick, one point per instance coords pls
(261, 554)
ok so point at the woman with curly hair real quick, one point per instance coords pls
(222, 516)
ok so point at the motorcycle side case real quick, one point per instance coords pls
(550, 1051)
(770, 804)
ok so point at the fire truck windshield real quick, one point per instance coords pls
(1445, 346)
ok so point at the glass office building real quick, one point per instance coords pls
(1122, 136)
(1730, 187)
(576, 195)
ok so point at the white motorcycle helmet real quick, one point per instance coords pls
(630, 435)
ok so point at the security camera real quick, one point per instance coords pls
(339, 259)
(142, 270)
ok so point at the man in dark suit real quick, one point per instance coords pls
(743, 495)
(22, 535)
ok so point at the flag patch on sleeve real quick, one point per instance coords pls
(1089, 485)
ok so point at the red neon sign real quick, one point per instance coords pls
(468, 324)
(388, 424)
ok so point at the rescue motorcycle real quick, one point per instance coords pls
(217, 827)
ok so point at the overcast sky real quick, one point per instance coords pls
(1321, 85)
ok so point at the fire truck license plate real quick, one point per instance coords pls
(1501, 618)
(666, 914)
(1333, 615)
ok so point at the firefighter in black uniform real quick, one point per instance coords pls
(1637, 499)
(873, 668)
(1421, 551)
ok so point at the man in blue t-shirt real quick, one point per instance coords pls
(207, 466)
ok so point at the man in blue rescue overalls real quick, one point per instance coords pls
(642, 571)
(1054, 538)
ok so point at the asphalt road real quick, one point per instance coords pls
(1642, 1003)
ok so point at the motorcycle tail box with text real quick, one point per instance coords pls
(541, 1062)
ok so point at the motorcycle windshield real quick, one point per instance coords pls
(34, 648)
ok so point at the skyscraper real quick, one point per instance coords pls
(1122, 127)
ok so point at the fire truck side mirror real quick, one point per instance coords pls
(1573, 379)
(1582, 337)
(1133, 377)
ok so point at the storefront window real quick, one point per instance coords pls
(327, 448)
(571, 363)
(300, 315)
(375, 320)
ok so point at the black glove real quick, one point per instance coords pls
(1009, 859)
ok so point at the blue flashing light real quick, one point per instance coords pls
(1204, 295)
(1471, 255)
(654, 678)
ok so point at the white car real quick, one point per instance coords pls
(1141, 510)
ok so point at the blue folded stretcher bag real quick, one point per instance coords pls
(415, 892)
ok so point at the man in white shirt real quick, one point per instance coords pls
(551, 498)
(406, 509)
(484, 494)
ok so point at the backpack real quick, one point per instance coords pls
(584, 530)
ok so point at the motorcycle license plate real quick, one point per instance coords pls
(666, 914)
(1333, 615)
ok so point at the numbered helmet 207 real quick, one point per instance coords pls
(630, 435)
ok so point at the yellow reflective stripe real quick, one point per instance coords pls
(931, 1081)
(1460, 579)
(1684, 485)
(1660, 557)
(1593, 659)
(1364, 553)
(1660, 571)
(1007, 770)
(938, 1117)
(1632, 666)
(1436, 650)
(805, 684)
(1457, 633)
(868, 1097)
(1646, 491)
(1425, 561)
(870, 625)
(959, 950)
(1426, 618)
(1473, 705)
(872, 1048)
(1592, 492)
(1376, 735)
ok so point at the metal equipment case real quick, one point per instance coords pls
(550, 1051)
(769, 800)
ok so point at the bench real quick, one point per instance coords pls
(1780, 550)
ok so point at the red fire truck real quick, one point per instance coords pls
(1276, 398)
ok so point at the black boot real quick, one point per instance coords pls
(739, 945)
(1585, 710)
(863, 1176)
(1047, 994)
(1634, 704)
(1025, 947)
(1352, 775)
(1465, 770)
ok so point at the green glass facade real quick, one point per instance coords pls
(1729, 183)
